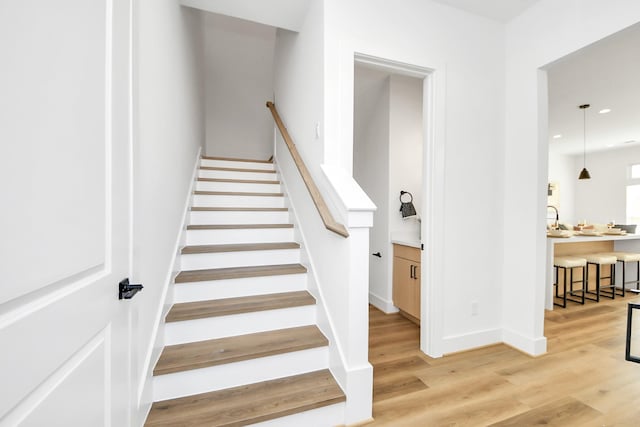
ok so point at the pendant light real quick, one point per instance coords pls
(584, 174)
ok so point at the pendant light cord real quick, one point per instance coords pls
(584, 137)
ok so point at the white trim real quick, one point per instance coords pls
(433, 191)
(148, 360)
(455, 343)
(532, 346)
(432, 295)
(382, 304)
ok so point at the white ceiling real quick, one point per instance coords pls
(287, 14)
(498, 10)
(605, 74)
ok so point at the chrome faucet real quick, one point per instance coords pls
(557, 214)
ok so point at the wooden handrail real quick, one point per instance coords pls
(329, 221)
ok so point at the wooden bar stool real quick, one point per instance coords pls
(569, 263)
(624, 258)
(599, 260)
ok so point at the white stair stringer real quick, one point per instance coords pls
(238, 324)
(233, 288)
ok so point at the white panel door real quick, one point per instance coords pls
(64, 219)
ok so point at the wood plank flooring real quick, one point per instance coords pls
(583, 380)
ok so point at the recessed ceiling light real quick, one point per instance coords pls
(558, 136)
(605, 111)
(631, 141)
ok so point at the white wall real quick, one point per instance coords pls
(405, 151)
(239, 81)
(340, 266)
(467, 54)
(169, 115)
(546, 32)
(562, 170)
(371, 171)
(604, 197)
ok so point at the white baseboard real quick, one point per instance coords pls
(532, 346)
(455, 343)
(382, 304)
(147, 370)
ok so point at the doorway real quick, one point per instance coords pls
(390, 155)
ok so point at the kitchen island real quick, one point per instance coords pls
(577, 245)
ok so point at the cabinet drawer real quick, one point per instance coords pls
(406, 252)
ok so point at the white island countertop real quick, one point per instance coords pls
(627, 242)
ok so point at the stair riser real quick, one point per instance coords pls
(238, 324)
(239, 259)
(261, 176)
(232, 288)
(238, 186)
(240, 373)
(238, 201)
(332, 415)
(238, 217)
(221, 237)
(236, 165)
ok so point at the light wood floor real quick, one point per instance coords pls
(583, 380)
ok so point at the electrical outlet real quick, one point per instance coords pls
(474, 308)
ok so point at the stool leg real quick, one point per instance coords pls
(624, 276)
(564, 287)
(597, 282)
(557, 285)
(584, 283)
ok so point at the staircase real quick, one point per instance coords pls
(241, 342)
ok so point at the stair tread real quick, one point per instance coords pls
(235, 159)
(228, 306)
(238, 181)
(236, 193)
(238, 247)
(236, 226)
(238, 272)
(250, 403)
(239, 209)
(216, 168)
(202, 354)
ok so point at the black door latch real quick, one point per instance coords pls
(378, 254)
(127, 290)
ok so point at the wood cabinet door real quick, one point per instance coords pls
(405, 287)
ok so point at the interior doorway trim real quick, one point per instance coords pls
(432, 257)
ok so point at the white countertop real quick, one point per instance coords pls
(406, 239)
(574, 239)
